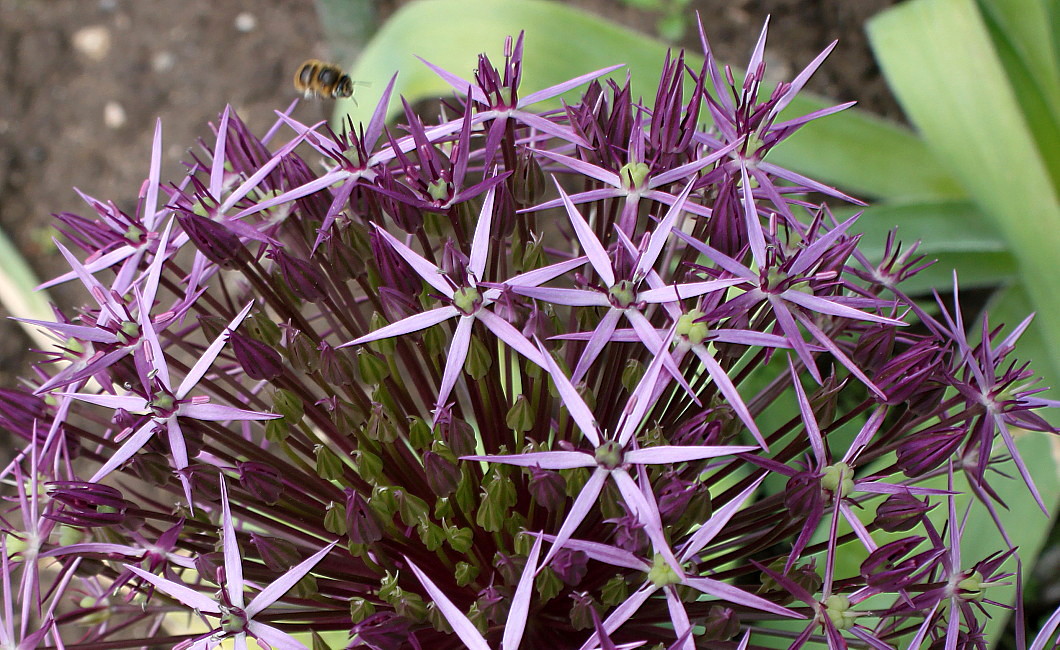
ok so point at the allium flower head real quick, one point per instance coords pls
(592, 378)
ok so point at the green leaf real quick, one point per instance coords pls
(954, 233)
(18, 292)
(938, 58)
(862, 153)
(1025, 47)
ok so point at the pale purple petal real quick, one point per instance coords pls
(507, 333)
(520, 607)
(675, 292)
(717, 521)
(729, 391)
(648, 515)
(590, 492)
(179, 451)
(233, 561)
(662, 234)
(826, 306)
(463, 627)
(154, 271)
(217, 168)
(679, 618)
(594, 250)
(206, 360)
(585, 169)
(542, 459)
(750, 213)
(278, 588)
(184, 594)
(732, 594)
(277, 639)
(79, 332)
(601, 335)
(623, 612)
(413, 323)
(480, 243)
(545, 273)
(454, 361)
(130, 403)
(570, 297)
(458, 84)
(576, 406)
(606, 553)
(423, 268)
(209, 412)
(640, 400)
(799, 81)
(570, 84)
(132, 444)
(809, 420)
(154, 176)
(664, 454)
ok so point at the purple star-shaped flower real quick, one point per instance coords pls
(235, 614)
(467, 299)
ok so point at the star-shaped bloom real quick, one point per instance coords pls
(809, 491)
(467, 299)
(624, 296)
(634, 181)
(1005, 391)
(739, 117)
(664, 575)
(236, 616)
(611, 457)
(27, 638)
(691, 334)
(117, 330)
(165, 405)
(133, 238)
(515, 624)
(497, 95)
(785, 283)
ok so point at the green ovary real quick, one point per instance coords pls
(467, 300)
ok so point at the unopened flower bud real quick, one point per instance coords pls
(548, 488)
(279, 555)
(261, 480)
(570, 566)
(213, 239)
(442, 475)
(304, 279)
(361, 523)
(901, 512)
(259, 360)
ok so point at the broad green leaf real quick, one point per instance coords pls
(18, 292)
(1020, 32)
(954, 234)
(859, 152)
(938, 58)
(347, 25)
(1025, 25)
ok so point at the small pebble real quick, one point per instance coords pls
(114, 116)
(246, 22)
(93, 42)
(163, 61)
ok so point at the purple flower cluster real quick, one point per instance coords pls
(596, 377)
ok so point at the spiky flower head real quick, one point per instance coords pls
(632, 404)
